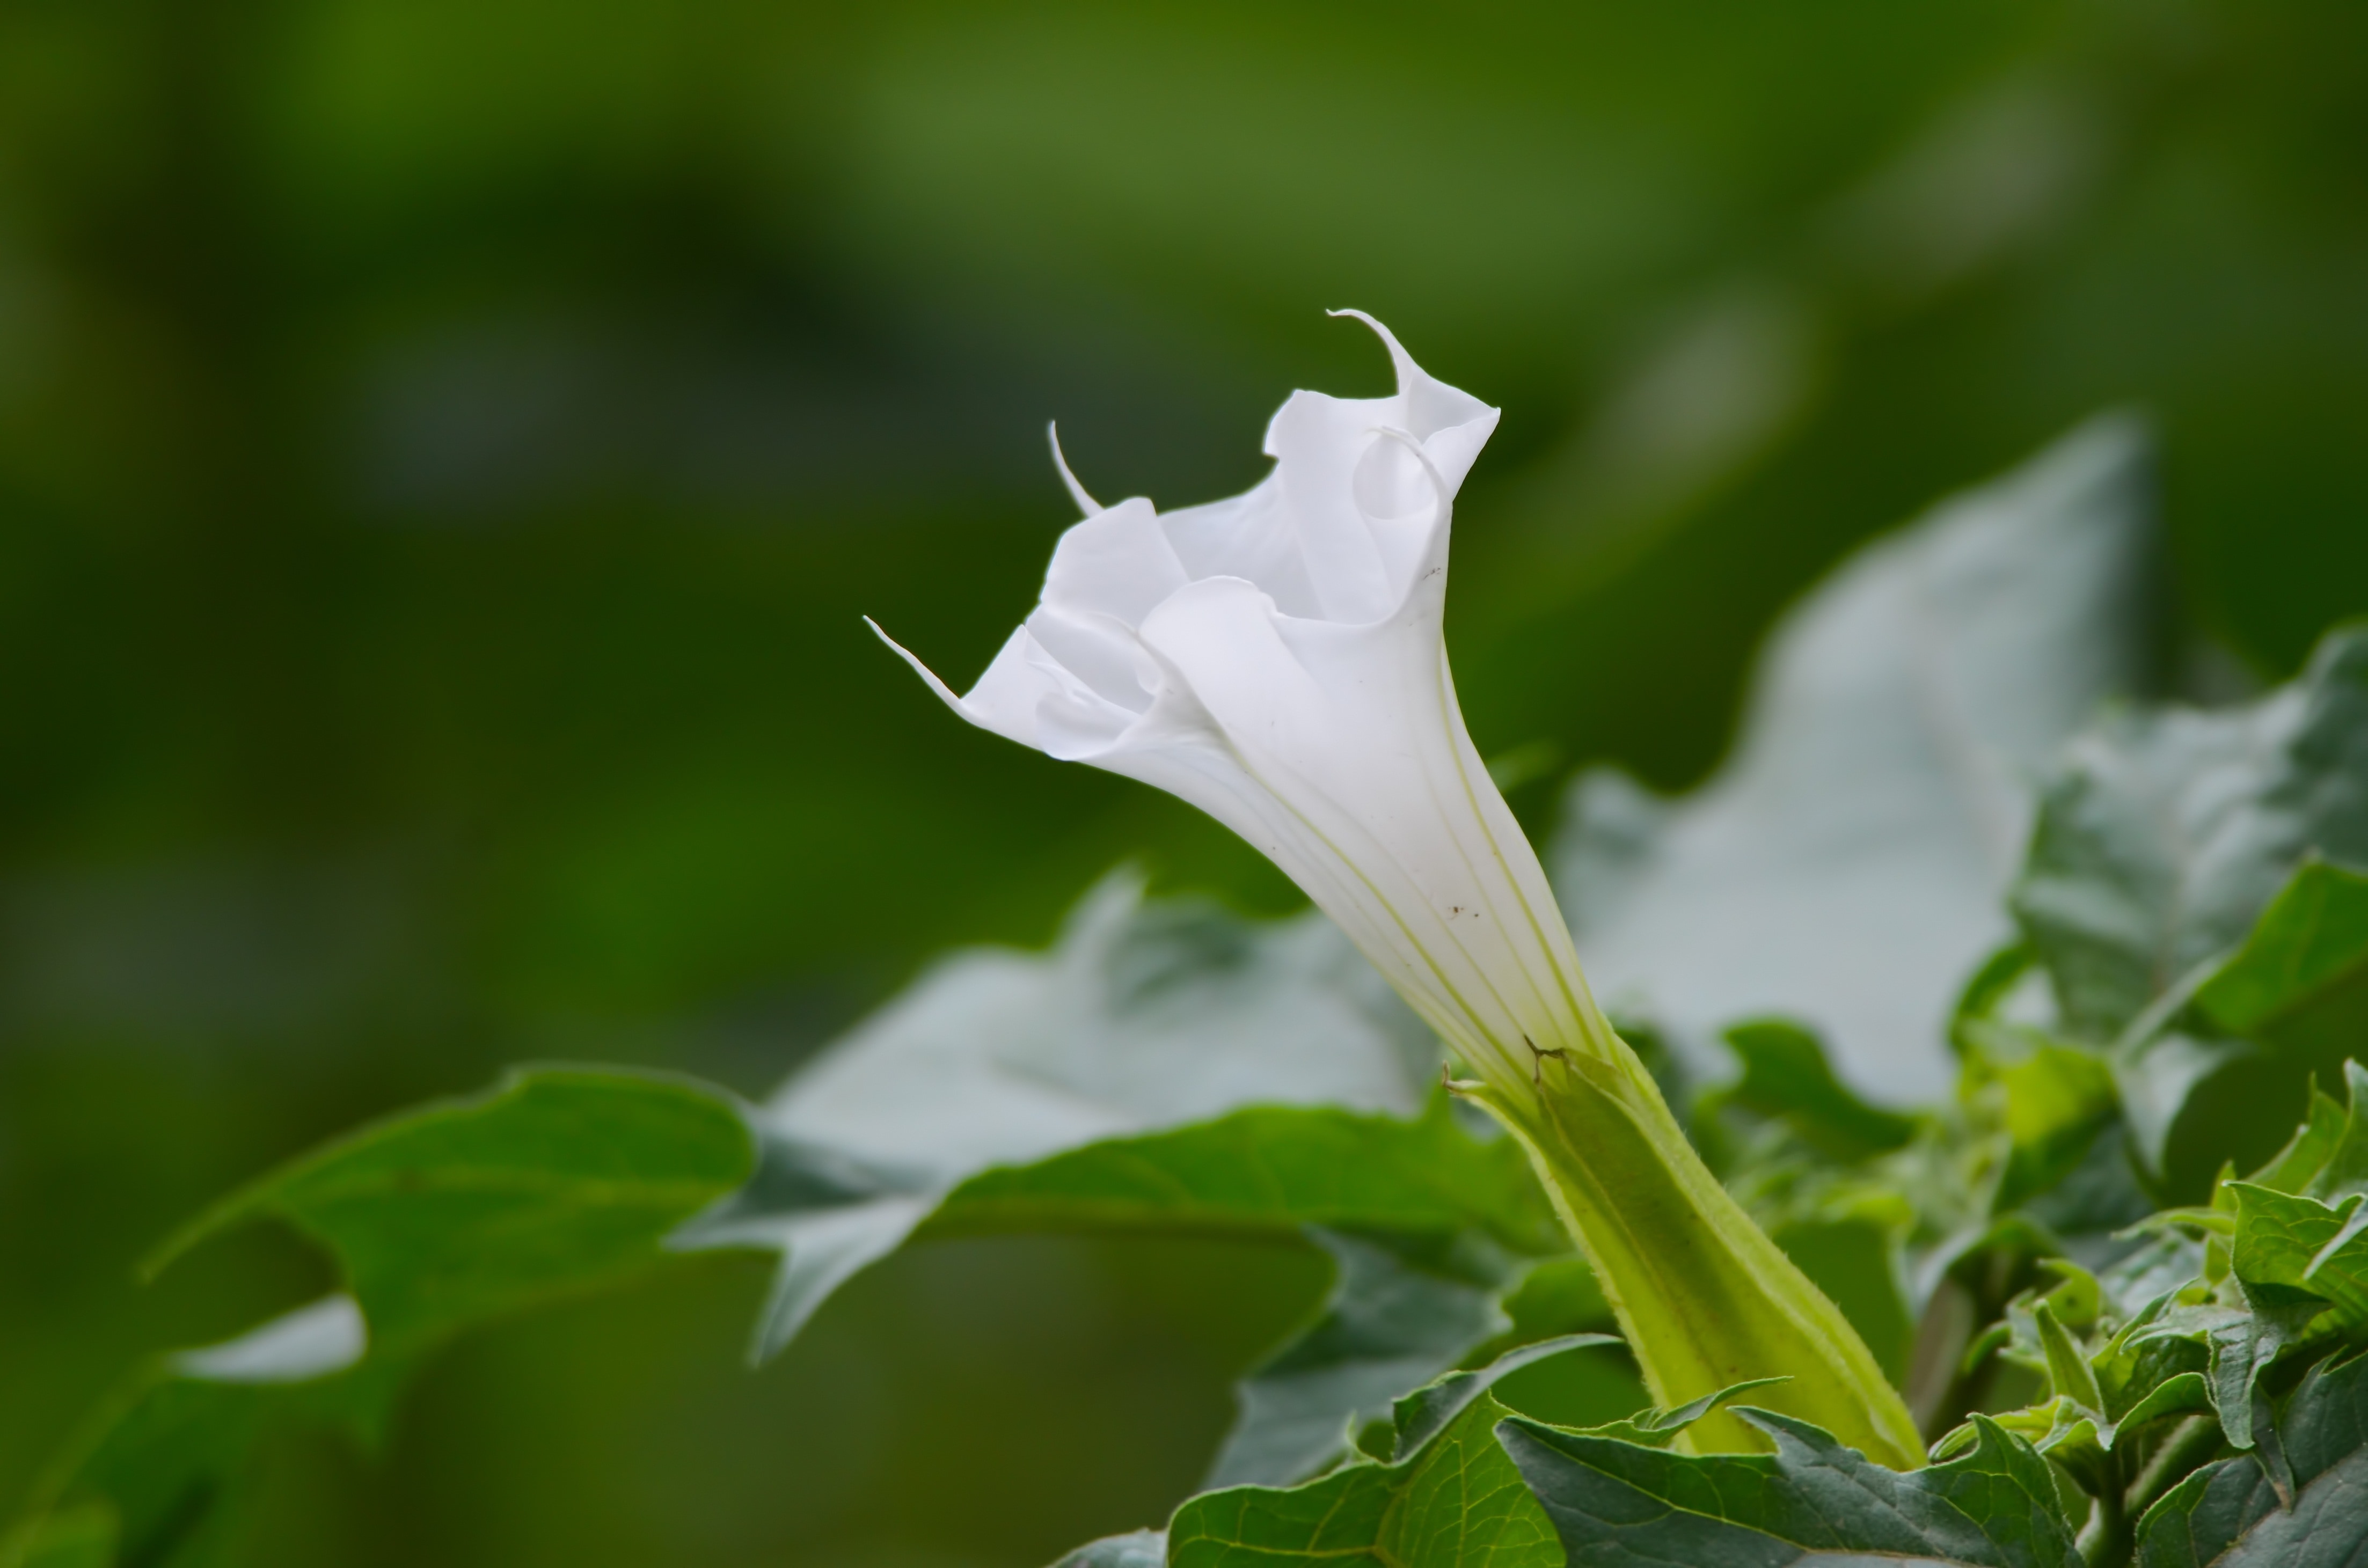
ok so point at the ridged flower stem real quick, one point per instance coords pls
(1703, 1297)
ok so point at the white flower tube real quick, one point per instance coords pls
(1277, 659)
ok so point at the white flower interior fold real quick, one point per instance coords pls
(1277, 660)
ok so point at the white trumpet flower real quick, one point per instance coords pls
(1277, 659)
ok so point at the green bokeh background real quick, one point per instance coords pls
(445, 449)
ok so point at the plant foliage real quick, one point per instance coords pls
(2120, 1269)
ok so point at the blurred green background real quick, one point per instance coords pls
(445, 449)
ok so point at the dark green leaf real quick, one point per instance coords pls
(1559, 1297)
(2238, 1042)
(2164, 1261)
(1450, 1499)
(1421, 1414)
(2097, 1194)
(1657, 1429)
(1270, 1169)
(2292, 1168)
(1611, 1501)
(560, 1180)
(2230, 1513)
(2345, 1169)
(160, 1469)
(2057, 1097)
(2303, 1246)
(2309, 950)
(2165, 836)
(557, 1182)
(2242, 1338)
(2111, 1371)
(1786, 1078)
(2068, 1372)
(2193, 1103)
(1398, 1315)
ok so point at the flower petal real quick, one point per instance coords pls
(1250, 536)
(1085, 503)
(1028, 695)
(1117, 562)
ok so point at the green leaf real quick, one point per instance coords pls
(2164, 1262)
(2186, 1393)
(1558, 1296)
(2294, 1167)
(1657, 1429)
(2123, 1376)
(2068, 1372)
(2301, 1244)
(1423, 1414)
(2098, 1193)
(2165, 836)
(557, 1182)
(2057, 1096)
(2309, 950)
(1397, 1316)
(2128, 1373)
(2345, 1169)
(1610, 1501)
(159, 1471)
(2241, 1038)
(1271, 1169)
(2193, 1103)
(2231, 1514)
(2243, 1338)
(1144, 1017)
(2081, 1442)
(1786, 1078)
(1447, 1498)
(1844, 867)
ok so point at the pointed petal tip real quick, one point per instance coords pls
(1086, 503)
(940, 688)
(1400, 360)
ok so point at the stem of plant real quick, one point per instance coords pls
(2105, 1542)
(2192, 1442)
(1704, 1298)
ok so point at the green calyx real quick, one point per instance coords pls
(1704, 1298)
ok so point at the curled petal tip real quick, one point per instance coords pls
(1086, 503)
(1400, 360)
(940, 688)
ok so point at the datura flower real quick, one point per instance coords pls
(1277, 660)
